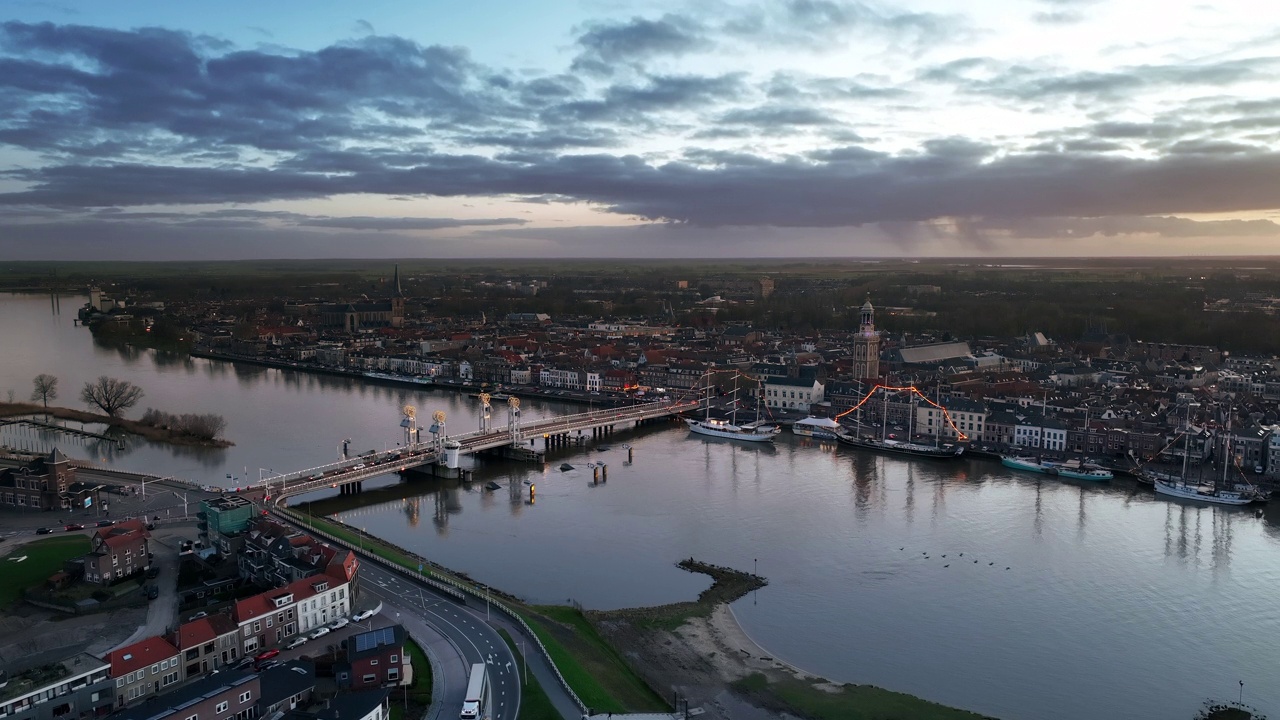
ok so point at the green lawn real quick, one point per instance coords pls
(534, 703)
(44, 557)
(419, 699)
(590, 665)
(850, 702)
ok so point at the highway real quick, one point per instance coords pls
(458, 637)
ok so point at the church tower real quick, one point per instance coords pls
(866, 346)
(397, 301)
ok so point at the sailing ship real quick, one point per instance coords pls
(889, 444)
(1212, 492)
(715, 427)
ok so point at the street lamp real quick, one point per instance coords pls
(144, 484)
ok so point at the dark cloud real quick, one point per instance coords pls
(637, 103)
(776, 116)
(606, 45)
(949, 178)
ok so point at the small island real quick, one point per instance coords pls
(112, 397)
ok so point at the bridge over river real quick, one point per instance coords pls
(445, 450)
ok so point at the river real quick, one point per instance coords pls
(1084, 601)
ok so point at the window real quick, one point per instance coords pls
(222, 707)
(395, 658)
(269, 621)
(373, 661)
(119, 682)
(155, 668)
(193, 717)
(370, 678)
(244, 697)
(170, 679)
(257, 626)
(393, 674)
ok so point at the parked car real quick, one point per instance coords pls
(362, 616)
(75, 526)
(320, 633)
(339, 623)
(296, 642)
(43, 531)
(265, 656)
(106, 523)
(267, 665)
(201, 614)
(153, 592)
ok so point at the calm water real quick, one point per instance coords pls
(1114, 604)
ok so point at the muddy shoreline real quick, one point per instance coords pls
(157, 434)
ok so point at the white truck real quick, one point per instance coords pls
(473, 707)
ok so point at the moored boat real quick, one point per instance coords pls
(1071, 469)
(725, 429)
(1203, 493)
(947, 451)
(823, 428)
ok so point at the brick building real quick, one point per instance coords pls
(41, 484)
(147, 667)
(117, 552)
(375, 659)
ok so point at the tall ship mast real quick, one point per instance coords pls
(729, 429)
(1213, 492)
(888, 444)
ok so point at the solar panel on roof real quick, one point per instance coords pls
(370, 640)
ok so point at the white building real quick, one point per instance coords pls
(785, 393)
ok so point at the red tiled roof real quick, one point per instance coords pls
(263, 603)
(139, 655)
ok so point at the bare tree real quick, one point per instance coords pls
(11, 393)
(46, 388)
(112, 396)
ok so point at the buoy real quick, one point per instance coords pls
(533, 490)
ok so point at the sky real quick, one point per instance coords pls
(660, 129)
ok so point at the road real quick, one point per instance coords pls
(162, 613)
(472, 640)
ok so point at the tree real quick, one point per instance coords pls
(112, 396)
(46, 388)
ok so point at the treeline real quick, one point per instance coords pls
(204, 427)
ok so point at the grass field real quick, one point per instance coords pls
(534, 703)
(590, 665)
(42, 558)
(377, 547)
(850, 702)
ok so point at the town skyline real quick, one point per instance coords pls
(1024, 128)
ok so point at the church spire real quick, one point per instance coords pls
(396, 281)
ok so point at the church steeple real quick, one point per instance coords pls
(396, 282)
(868, 317)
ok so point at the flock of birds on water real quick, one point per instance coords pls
(944, 557)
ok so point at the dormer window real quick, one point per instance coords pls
(321, 586)
(284, 600)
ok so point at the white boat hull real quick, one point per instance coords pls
(1202, 494)
(731, 432)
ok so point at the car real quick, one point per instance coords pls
(265, 655)
(339, 623)
(44, 531)
(153, 592)
(201, 614)
(358, 466)
(153, 572)
(297, 642)
(267, 665)
(362, 616)
(106, 523)
(320, 633)
(75, 526)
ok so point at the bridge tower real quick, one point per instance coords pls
(513, 418)
(486, 412)
(410, 425)
(438, 430)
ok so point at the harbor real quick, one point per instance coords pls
(852, 541)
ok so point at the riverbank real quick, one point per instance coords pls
(150, 432)
(700, 649)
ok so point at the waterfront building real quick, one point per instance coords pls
(793, 393)
(117, 552)
(866, 345)
(969, 416)
(276, 616)
(41, 484)
(76, 688)
(144, 668)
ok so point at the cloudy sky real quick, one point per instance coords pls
(595, 128)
